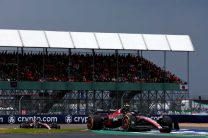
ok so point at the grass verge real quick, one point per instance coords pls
(36, 131)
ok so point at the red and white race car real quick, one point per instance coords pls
(128, 121)
(39, 124)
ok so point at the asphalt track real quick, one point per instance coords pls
(89, 134)
(111, 134)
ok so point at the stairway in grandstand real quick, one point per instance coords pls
(113, 99)
(50, 100)
(126, 96)
(129, 95)
(39, 103)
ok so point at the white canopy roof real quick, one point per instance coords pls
(93, 40)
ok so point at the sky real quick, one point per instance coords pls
(189, 17)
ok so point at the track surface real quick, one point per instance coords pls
(100, 134)
(88, 135)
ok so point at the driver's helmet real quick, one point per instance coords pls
(124, 110)
(127, 107)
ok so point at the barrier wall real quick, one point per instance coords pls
(111, 86)
(62, 119)
(190, 118)
(186, 118)
(82, 119)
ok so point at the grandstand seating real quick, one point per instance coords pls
(79, 68)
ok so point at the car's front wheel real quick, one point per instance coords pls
(127, 121)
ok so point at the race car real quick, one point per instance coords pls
(39, 124)
(128, 121)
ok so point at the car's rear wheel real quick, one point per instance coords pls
(94, 122)
(21, 125)
(58, 127)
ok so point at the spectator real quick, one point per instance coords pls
(56, 67)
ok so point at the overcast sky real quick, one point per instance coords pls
(124, 16)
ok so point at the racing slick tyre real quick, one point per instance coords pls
(94, 122)
(54, 125)
(21, 125)
(57, 126)
(24, 125)
(167, 124)
(127, 121)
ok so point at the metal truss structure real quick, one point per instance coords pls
(157, 102)
(86, 102)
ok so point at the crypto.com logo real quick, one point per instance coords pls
(68, 119)
(11, 119)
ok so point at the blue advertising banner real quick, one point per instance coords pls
(62, 119)
(186, 118)
(190, 118)
(82, 119)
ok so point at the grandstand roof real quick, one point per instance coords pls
(94, 40)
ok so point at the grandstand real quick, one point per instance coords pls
(48, 72)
